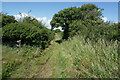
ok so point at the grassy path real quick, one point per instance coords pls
(58, 63)
(83, 60)
(70, 59)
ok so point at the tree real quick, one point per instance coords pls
(63, 19)
(57, 31)
(89, 13)
(7, 19)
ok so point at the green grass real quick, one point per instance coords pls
(76, 58)
(16, 57)
(70, 59)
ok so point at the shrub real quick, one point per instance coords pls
(6, 19)
(29, 19)
(28, 34)
(94, 32)
(107, 32)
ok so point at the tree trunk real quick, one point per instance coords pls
(65, 33)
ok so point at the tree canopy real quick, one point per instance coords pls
(89, 13)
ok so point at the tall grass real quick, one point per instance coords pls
(97, 60)
(74, 58)
(14, 57)
(86, 59)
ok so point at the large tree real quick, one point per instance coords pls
(88, 12)
(63, 18)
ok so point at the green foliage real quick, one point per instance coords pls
(16, 58)
(88, 13)
(57, 31)
(70, 59)
(33, 21)
(28, 33)
(77, 26)
(8, 68)
(77, 55)
(94, 32)
(63, 19)
(7, 19)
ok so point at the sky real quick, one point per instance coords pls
(45, 10)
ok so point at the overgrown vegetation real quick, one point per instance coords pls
(88, 46)
(30, 32)
(84, 21)
(71, 59)
(105, 31)
(15, 58)
(7, 19)
(88, 14)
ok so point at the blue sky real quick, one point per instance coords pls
(48, 9)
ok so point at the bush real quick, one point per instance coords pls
(28, 34)
(34, 21)
(94, 32)
(107, 32)
(6, 19)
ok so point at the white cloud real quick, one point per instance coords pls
(20, 16)
(105, 19)
(45, 21)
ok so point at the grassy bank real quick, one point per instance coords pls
(70, 59)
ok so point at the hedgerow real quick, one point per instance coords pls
(28, 34)
(94, 32)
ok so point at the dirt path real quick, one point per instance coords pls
(44, 71)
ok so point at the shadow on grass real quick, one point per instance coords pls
(10, 44)
(58, 41)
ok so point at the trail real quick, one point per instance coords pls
(44, 70)
(58, 63)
